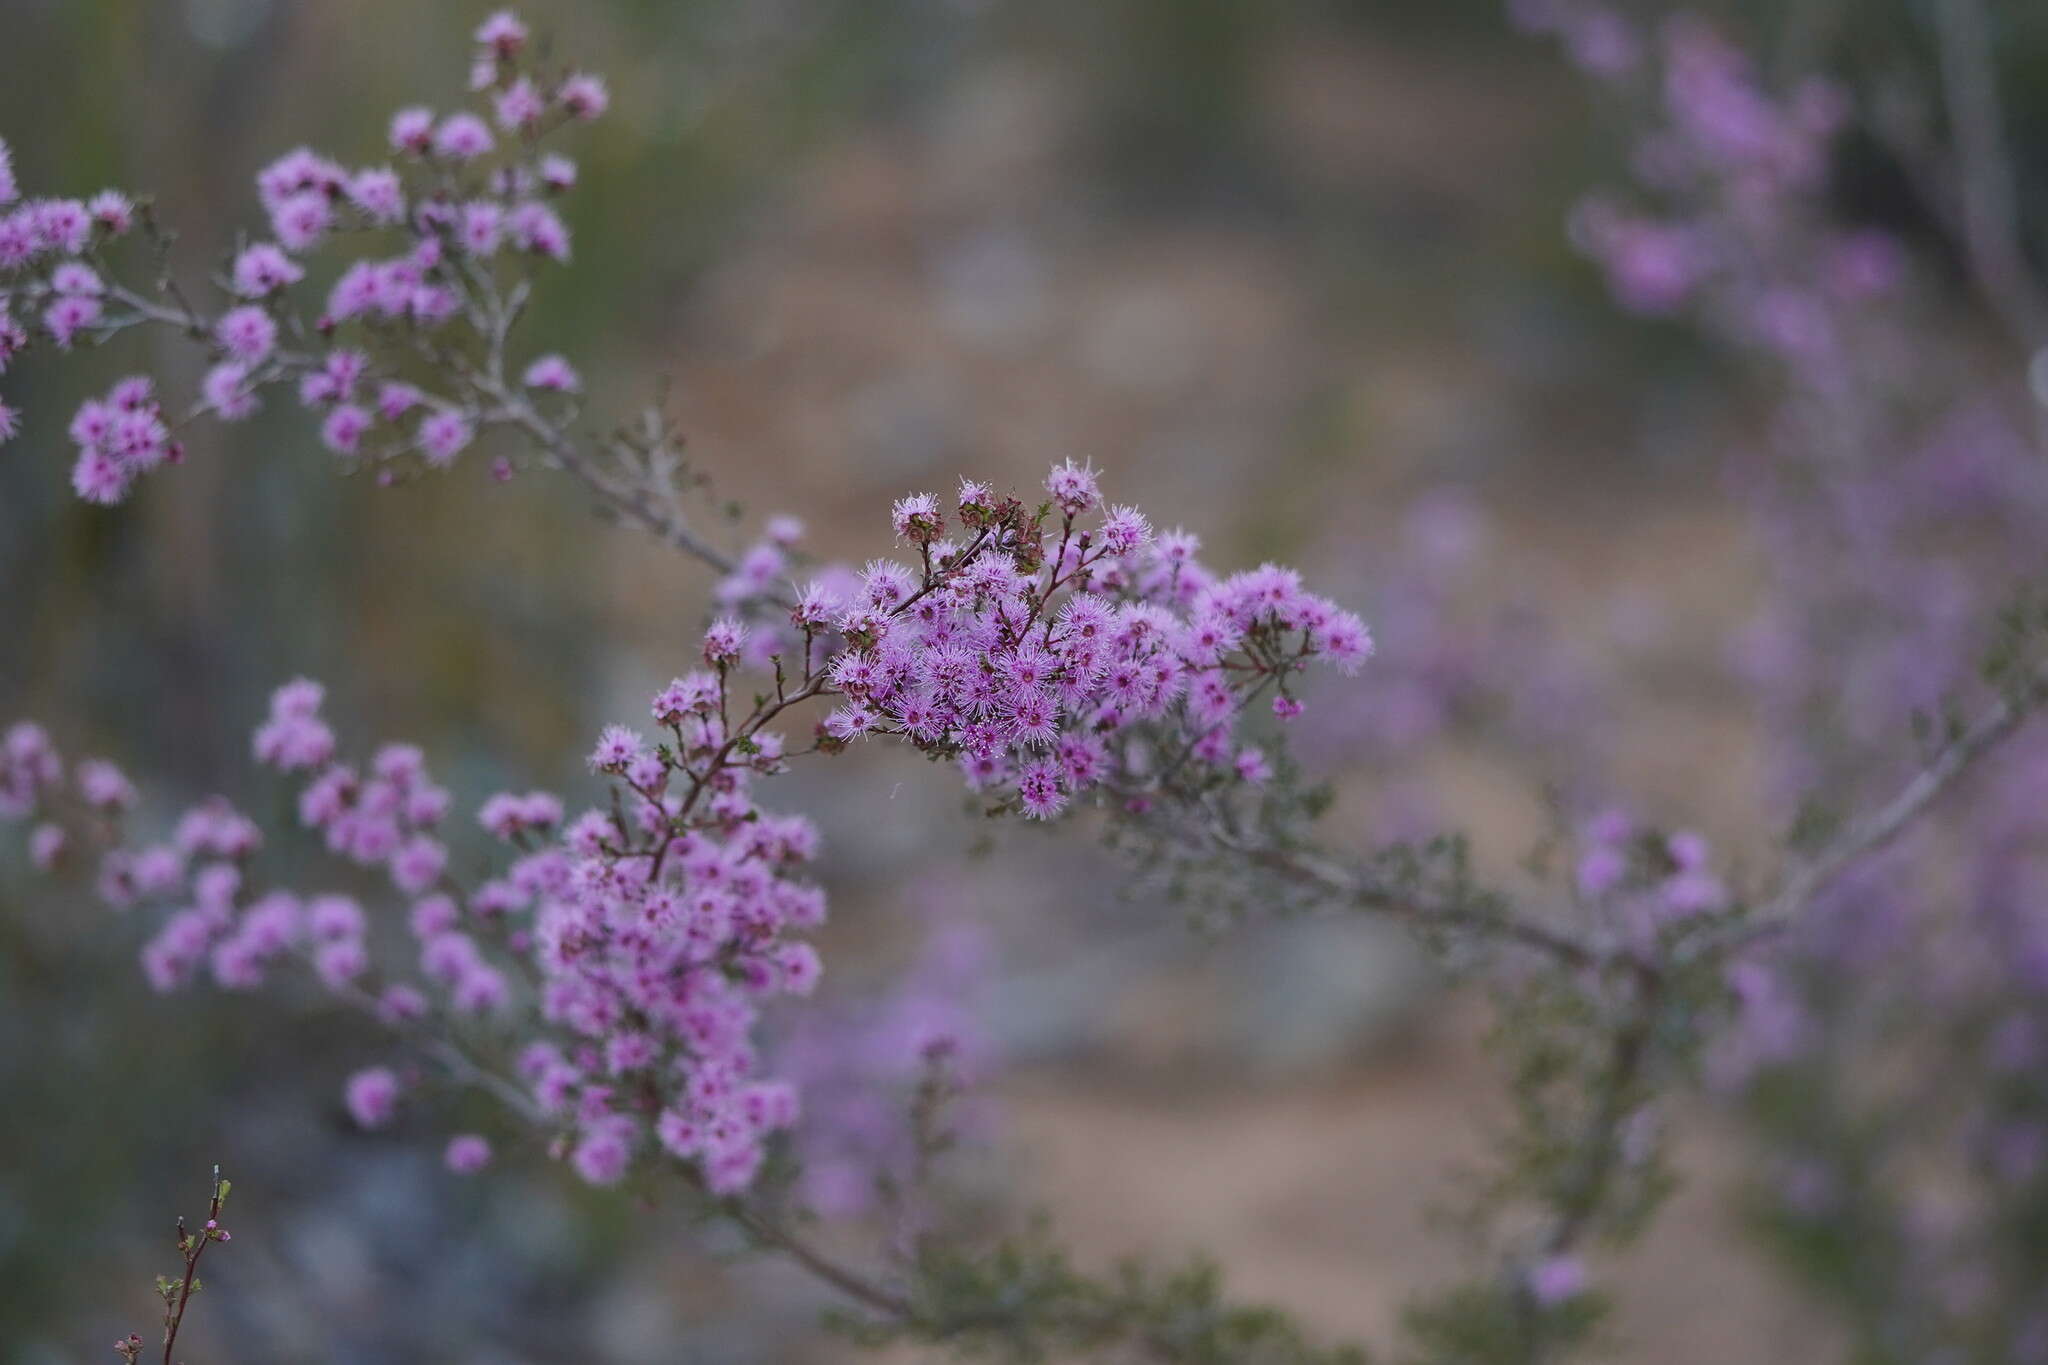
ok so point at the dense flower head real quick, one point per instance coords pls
(119, 438)
(1050, 654)
(917, 518)
(650, 931)
(1073, 488)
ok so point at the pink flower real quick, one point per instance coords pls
(722, 640)
(519, 106)
(443, 435)
(248, 333)
(395, 399)
(482, 227)
(463, 137)
(103, 786)
(917, 518)
(70, 315)
(466, 1154)
(1124, 530)
(401, 1004)
(332, 919)
(535, 227)
(61, 225)
(372, 1096)
(343, 430)
(112, 211)
(378, 194)
(584, 96)
(418, 864)
(552, 374)
(799, 967)
(557, 173)
(502, 33)
(602, 1156)
(302, 220)
(1073, 488)
(96, 478)
(616, 747)
(1038, 790)
(1556, 1280)
(412, 130)
(73, 277)
(227, 391)
(45, 846)
(339, 963)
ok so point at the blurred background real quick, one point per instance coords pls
(1293, 273)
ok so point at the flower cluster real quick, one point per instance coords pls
(1050, 652)
(1647, 880)
(629, 948)
(446, 236)
(1737, 168)
(51, 292)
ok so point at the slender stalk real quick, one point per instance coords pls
(192, 1248)
(1989, 208)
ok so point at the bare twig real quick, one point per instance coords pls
(1988, 206)
(1883, 826)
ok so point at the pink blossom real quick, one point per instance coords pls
(1556, 1280)
(342, 431)
(412, 131)
(372, 1096)
(248, 333)
(537, 228)
(463, 137)
(103, 786)
(601, 1157)
(519, 106)
(301, 220)
(46, 845)
(70, 315)
(482, 227)
(112, 211)
(553, 374)
(1073, 488)
(584, 96)
(443, 435)
(379, 194)
(228, 392)
(466, 1154)
(557, 173)
(503, 34)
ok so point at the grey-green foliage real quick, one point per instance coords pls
(1024, 1300)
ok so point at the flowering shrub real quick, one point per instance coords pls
(606, 977)
(1898, 500)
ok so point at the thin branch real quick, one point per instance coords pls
(1367, 892)
(563, 453)
(1883, 826)
(1984, 189)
